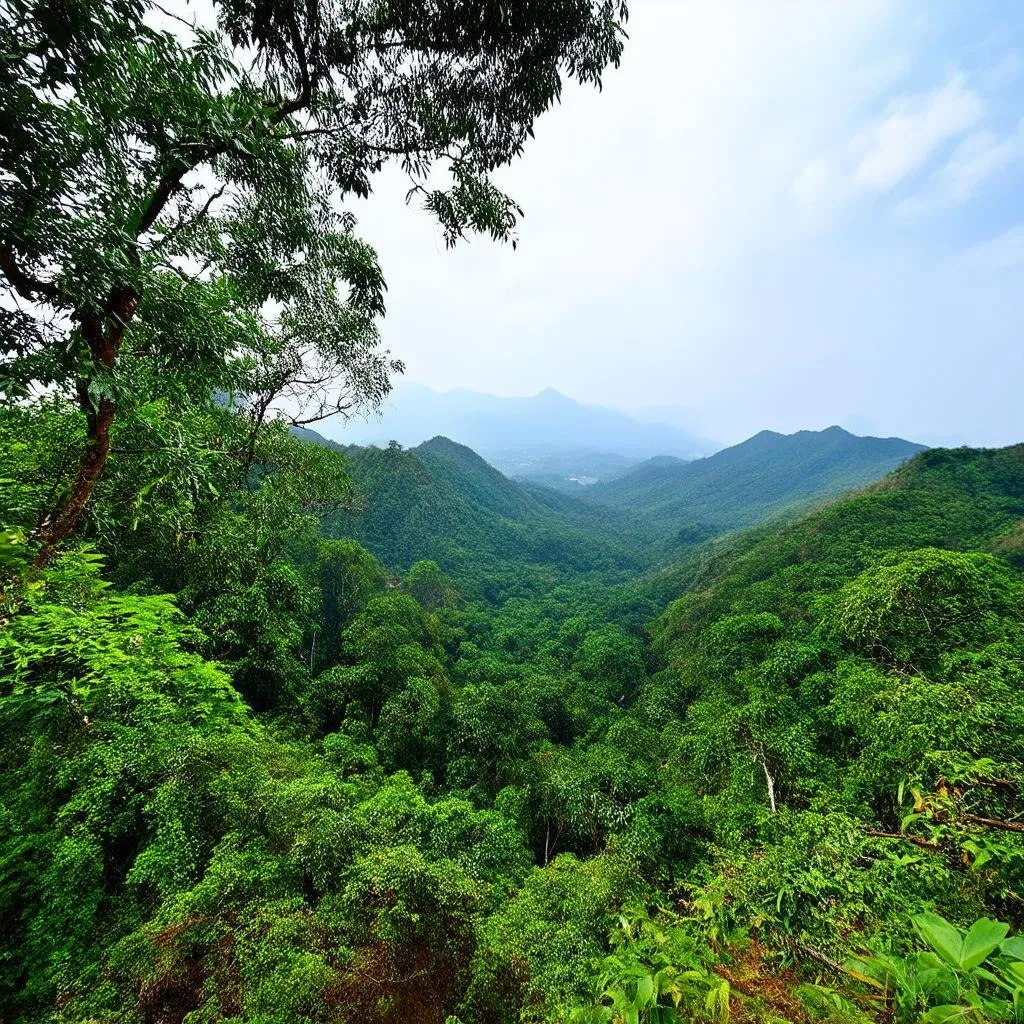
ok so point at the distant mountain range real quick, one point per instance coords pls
(746, 484)
(441, 500)
(545, 435)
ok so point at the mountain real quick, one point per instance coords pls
(745, 484)
(521, 435)
(313, 437)
(442, 501)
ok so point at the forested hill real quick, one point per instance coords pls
(250, 773)
(955, 499)
(747, 483)
(844, 693)
(442, 501)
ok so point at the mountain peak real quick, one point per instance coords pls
(552, 395)
(765, 474)
(544, 423)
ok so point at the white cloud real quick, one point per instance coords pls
(1004, 252)
(812, 181)
(979, 157)
(911, 131)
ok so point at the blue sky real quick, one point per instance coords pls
(778, 215)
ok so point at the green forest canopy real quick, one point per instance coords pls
(253, 773)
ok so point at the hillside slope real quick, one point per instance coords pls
(843, 692)
(957, 499)
(746, 484)
(442, 501)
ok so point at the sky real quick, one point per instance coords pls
(779, 216)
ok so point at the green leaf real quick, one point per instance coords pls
(984, 937)
(1014, 971)
(644, 991)
(941, 936)
(945, 1014)
(1013, 946)
(994, 979)
(865, 978)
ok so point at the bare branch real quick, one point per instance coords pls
(926, 844)
(1005, 826)
(199, 215)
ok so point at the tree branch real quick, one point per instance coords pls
(27, 286)
(306, 90)
(181, 225)
(1005, 826)
(163, 192)
(926, 844)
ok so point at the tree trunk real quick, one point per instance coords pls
(756, 749)
(770, 779)
(62, 519)
(104, 345)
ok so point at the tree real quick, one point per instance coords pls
(428, 585)
(172, 198)
(611, 659)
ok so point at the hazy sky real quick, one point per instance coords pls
(783, 215)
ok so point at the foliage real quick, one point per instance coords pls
(749, 482)
(292, 733)
(655, 974)
(972, 974)
(173, 210)
(253, 772)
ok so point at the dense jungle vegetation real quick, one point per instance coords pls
(293, 734)
(251, 772)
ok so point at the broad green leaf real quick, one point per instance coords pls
(943, 937)
(996, 1009)
(644, 991)
(1014, 972)
(1013, 946)
(946, 1014)
(981, 857)
(987, 975)
(983, 938)
(933, 979)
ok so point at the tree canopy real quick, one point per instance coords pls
(173, 222)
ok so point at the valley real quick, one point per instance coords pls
(383, 714)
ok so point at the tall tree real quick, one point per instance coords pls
(172, 200)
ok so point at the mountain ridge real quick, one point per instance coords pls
(442, 500)
(743, 484)
(547, 422)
